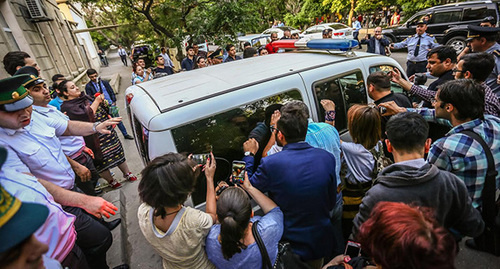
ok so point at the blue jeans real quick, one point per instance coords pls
(336, 220)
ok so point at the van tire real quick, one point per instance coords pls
(458, 43)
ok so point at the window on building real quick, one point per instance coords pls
(8, 34)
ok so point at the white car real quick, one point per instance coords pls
(265, 37)
(340, 31)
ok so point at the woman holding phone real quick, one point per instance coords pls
(231, 243)
(175, 231)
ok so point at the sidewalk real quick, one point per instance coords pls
(129, 245)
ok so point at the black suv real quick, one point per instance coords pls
(448, 23)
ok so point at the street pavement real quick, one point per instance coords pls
(130, 246)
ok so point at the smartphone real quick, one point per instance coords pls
(382, 109)
(200, 158)
(238, 172)
(352, 249)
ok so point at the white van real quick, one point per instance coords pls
(218, 106)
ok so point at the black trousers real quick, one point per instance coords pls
(93, 238)
(75, 259)
(355, 36)
(415, 67)
(124, 59)
(87, 187)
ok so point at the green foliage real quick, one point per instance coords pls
(371, 5)
(310, 10)
(412, 6)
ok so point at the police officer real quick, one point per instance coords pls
(484, 39)
(418, 45)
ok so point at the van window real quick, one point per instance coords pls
(344, 91)
(142, 139)
(225, 133)
(472, 14)
(446, 17)
(386, 68)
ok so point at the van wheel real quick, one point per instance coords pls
(458, 43)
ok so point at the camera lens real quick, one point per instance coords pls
(382, 109)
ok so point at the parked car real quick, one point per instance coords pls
(217, 112)
(447, 22)
(340, 31)
(265, 37)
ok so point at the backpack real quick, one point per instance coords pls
(381, 161)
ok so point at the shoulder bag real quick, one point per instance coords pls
(489, 240)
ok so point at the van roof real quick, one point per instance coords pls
(184, 88)
(459, 4)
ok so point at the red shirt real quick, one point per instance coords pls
(270, 49)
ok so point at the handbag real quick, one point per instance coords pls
(285, 259)
(489, 240)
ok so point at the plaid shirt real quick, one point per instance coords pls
(462, 155)
(491, 102)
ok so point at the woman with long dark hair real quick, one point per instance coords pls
(79, 106)
(175, 231)
(231, 243)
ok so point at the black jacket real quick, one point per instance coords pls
(383, 42)
(91, 90)
(425, 186)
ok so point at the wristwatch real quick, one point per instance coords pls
(249, 153)
(94, 126)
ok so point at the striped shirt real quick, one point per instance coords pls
(462, 155)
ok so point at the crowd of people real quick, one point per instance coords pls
(403, 192)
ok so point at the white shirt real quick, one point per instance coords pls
(122, 52)
(168, 61)
(38, 147)
(58, 231)
(70, 144)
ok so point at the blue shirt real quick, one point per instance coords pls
(356, 25)
(464, 156)
(492, 78)
(104, 91)
(427, 43)
(56, 102)
(187, 64)
(270, 228)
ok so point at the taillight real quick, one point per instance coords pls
(338, 34)
(129, 98)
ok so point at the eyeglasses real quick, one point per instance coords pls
(456, 70)
(433, 100)
(378, 31)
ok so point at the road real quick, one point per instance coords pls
(130, 246)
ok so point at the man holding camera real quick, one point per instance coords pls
(377, 43)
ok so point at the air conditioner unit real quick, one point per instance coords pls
(37, 10)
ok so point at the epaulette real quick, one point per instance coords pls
(496, 53)
(430, 35)
(409, 36)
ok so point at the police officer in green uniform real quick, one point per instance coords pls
(484, 39)
(418, 45)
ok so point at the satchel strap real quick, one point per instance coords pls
(488, 194)
(266, 262)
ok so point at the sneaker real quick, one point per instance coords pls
(129, 137)
(115, 184)
(130, 177)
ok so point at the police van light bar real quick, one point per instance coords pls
(323, 44)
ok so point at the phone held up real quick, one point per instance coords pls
(352, 249)
(238, 174)
(200, 159)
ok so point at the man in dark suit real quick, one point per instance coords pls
(96, 85)
(377, 43)
(302, 180)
